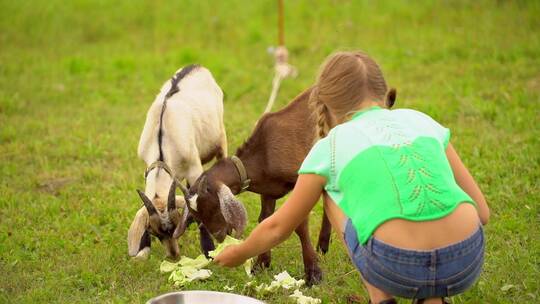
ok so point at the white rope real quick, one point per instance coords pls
(282, 70)
(275, 87)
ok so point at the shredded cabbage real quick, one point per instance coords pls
(283, 280)
(229, 240)
(187, 269)
(302, 299)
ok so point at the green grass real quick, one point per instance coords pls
(76, 79)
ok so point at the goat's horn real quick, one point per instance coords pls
(171, 201)
(181, 228)
(202, 184)
(184, 190)
(147, 203)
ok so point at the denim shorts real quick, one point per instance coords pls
(415, 274)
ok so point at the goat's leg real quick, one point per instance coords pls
(144, 247)
(324, 234)
(206, 240)
(313, 273)
(268, 205)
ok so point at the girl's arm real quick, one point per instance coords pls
(467, 183)
(278, 227)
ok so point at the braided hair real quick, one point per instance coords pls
(345, 81)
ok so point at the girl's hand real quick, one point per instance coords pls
(230, 256)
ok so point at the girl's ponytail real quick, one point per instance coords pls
(322, 114)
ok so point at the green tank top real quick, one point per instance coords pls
(387, 164)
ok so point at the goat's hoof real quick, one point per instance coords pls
(142, 255)
(356, 299)
(314, 275)
(207, 248)
(263, 261)
(322, 245)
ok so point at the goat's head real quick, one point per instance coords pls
(212, 203)
(158, 217)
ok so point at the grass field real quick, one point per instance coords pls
(76, 79)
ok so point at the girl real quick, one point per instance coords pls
(408, 210)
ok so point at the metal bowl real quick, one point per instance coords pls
(202, 297)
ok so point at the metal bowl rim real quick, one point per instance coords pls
(202, 291)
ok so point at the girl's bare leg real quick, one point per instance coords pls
(338, 220)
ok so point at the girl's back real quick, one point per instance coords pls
(390, 166)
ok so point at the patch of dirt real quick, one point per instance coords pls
(352, 299)
(534, 84)
(54, 185)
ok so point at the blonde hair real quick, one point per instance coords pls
(345, 81)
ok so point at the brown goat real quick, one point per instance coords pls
(271, 156)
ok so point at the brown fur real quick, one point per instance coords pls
(278, 145)
(160, 204)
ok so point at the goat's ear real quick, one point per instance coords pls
(181, 228)
(232, 210)
(138, 237)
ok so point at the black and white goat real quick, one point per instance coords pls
(183, 130)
